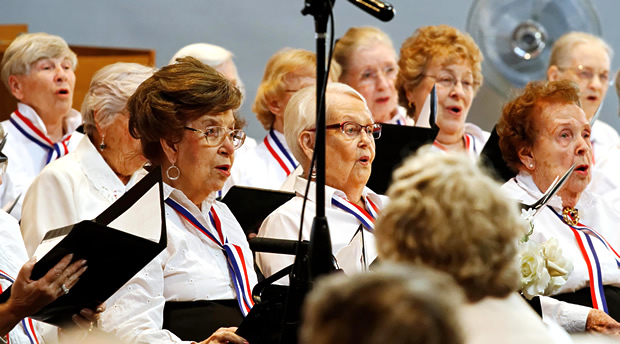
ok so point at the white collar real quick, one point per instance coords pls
(70, 122)
(300, 188)
(526, 182)
(100, 174)
(179, 196)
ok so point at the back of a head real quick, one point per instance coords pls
(109, 90)
(444, 212)
(29, 48)
(395, 304)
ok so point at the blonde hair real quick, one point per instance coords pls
(355, 38)
(278, 68)
(281, 66)
(617, 83)
(109, 90)
(209, 54)
(29, 48)
(561, 50)
(444, 212)
(300, 113)
(396, 304)
(434, 44)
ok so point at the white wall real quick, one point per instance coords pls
(253, 30)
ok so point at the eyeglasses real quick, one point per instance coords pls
(587, 73)
(371, 76)
(449, 81)
(352, 129)
(216, 135)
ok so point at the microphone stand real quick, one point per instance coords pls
(318, 260)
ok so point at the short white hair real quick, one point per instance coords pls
(29, 48)
(109, 90)
(209, 54)
(300, 113)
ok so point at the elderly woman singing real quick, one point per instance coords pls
(443, 56)
(350, 149)
(543, 132)
(37, 68)
(199, 286)
(106, 163)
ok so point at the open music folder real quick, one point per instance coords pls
(117, 244)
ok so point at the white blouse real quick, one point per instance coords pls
(12, 257)
(594, 214)
(259, 168)
(77, 187)
(26, 158)
(191, 268)
(475, 139)
(283, 223)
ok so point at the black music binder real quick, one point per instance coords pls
(252, 205)
(396, 143)
(491, 157)
(115, 247)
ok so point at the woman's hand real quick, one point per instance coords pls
(225, 335)
(601, 322)
(87, 318)
(28, 296)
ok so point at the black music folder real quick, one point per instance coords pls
(117, 244)
(252, 205)
(396, 143)
(491, 157)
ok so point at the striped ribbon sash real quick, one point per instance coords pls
(25, 126)
(367, 218)
(26, 323)
(584, 234)
(280, 153)
(234, 254)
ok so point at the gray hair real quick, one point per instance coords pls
(300, 113)
(109, 91)
(29, 48)
(563, 46)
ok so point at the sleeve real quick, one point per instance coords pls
(570, 316)
(48, 204)
(278, 225)
(135, 312)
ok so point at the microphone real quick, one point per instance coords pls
(381, 10)
(270, 245)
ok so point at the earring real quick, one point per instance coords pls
(531, 165)
(175, 174)
(313, 174)
(102, 145)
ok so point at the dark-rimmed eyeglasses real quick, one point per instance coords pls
(352, 129)
(215, 135)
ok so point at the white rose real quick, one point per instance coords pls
(558, 266)
(534, 274)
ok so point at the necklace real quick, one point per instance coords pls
(570, 215)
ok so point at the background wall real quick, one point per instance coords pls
(254, 30)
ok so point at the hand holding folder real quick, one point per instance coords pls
(117, 244)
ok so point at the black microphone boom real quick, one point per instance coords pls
(381, 10)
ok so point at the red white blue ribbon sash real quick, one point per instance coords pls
(280, 153)
(583, 235)
(234, 254)
(26, 323)
(367, 218)
(469, 141)
(25, 126)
